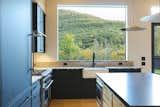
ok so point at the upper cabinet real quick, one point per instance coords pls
(41, 3)
(38, 21)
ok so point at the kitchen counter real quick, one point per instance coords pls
(58, 68)
(121, 67)
(35, 78)
(134, 89)
(67, 67)
(81, 67)
(90, 72)
(90, 68)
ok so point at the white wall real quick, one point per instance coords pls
(139, 43)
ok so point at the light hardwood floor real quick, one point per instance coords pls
(74, 103)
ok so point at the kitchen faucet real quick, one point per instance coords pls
(93, 59)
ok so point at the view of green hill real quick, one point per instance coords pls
(81, 34)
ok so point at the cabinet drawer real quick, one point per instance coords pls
(36, 101)
(107, 93)
(107, 97)
(121, 104)
(107, 104)
(117, 102)
(36, 88)
(22, 98)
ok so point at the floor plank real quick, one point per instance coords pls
(74, 103)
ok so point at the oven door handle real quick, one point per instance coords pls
(47, 77)
(46, 88)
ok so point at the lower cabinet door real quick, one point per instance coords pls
(117, 102)
(36, 94)
(27, 102)
(36, 101)
(107, 97)
(121, 104)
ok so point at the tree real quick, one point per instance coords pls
(68, 49)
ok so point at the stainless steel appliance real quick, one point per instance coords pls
(46, 90)
(46, 83)
(99, 86)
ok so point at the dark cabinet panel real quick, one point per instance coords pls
(27, 103)
(15, 49)
(125, 70)
(69, 84)
(88, 88)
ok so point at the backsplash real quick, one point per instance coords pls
(83, 63)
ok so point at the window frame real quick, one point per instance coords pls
(153, 25)
(113, 5)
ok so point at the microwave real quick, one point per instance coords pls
(38, 27)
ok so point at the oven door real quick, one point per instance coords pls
(99, 94)
(99, 86)
(47, 93)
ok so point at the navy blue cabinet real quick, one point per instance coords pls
(68, 78)
(75, 86)
(36, 94)
(15, 52)
(27, 103)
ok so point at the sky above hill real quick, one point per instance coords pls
(107, 12)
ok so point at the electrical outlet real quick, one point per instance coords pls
(65, 63)
(120, 63)
(143, 63)
(143, 58)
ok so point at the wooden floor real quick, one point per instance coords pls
(74, 103)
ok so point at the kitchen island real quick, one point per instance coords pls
(128, 90)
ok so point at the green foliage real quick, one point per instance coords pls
(157, 41)
(80, 35)
(157, 71)
(68, 49)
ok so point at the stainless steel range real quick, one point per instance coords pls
(46, 83)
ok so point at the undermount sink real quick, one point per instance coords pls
(90, 72)
(94, 68)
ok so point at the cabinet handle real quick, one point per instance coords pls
(48, 85)
(30, 69)
(38, 34)
(30, 35)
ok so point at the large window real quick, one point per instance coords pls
(155, 47)
(84, 29)
(155, 43)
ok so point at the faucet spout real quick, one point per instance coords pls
(93, 59)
